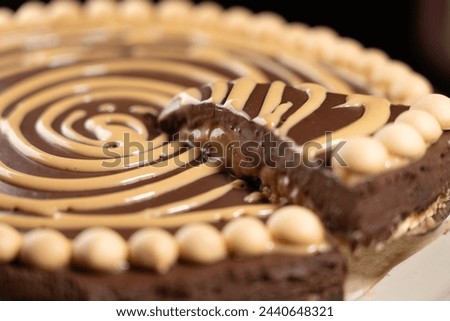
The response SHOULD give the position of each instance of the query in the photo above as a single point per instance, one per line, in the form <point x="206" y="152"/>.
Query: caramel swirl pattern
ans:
<point x="80" y="133"/>
<point x="73" y="97"/>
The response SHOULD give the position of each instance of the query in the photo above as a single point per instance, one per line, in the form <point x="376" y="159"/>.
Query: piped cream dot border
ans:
<point x="372" y="67"/>
<point x="290" y="230"/>
<point x="395" y="144"/>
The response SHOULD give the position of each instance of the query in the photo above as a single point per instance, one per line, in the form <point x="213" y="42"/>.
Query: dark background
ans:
<point x="412" y="31"/>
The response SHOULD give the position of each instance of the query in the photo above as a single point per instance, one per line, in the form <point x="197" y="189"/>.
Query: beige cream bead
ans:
<point x="31" y="13"/>
<point x="247" y="236"/>
<point x="10" y="243"/>
<point x="397" y="88"/>
<point x="296" y="225"/>
<point x="64" y="10"/>
<point x="295" y="33"/>
<point x="236" y="18"/>
<point x="101" y="9"/>
<point x="423" y="122"/>
<point x="406" y="91"/>
<point x="402" y="140"/>
<point x="153" y="248"/>
<point x="437" y="105"/>
<point x="201" y="243"/>
<point x="348" y="51"/>
<point x="321" y="39"/>
<point x="391" y="73"/>
<point x="100" y="249"/>
<point x="46" y="249"/>
<point x="267" y="23"/>
<point x="372" y="60"/>
<point x="207" y="13"/>
<point x="363" y="154"/>
<point x="136" y="10"/>
<point x="5" y="17"/>
<point x="174" y="9"/>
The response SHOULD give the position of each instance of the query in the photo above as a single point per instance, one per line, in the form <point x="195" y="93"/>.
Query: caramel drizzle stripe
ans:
<point x="99" y="125"/>
<point x="132" y="176"/>
<point x="34" y="83"/>
<point x="227" y="53"/>
<point x="376" y="114"/>
<point x="316" y="73"/>
<point x="218" y="92"/>
<point x="96" y="124"/>
<point x="84" y="165"/>
<point x="212" y="56"/>
<point x="109" y="200"/>
<point x="240" y="92"/>
<point x="316" y="96"/>
<point x="44" y="59"/>
<point x="73" y="221"/>
<point x="294" y="60"/>
<point x="273" y="98"/>
<point x="11" y="125"/>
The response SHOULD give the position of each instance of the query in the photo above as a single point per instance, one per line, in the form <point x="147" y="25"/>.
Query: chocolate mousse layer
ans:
<point x="274" y="277"/>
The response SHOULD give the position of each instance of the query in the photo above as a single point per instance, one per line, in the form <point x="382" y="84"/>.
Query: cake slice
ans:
<point x="365" y="165"/>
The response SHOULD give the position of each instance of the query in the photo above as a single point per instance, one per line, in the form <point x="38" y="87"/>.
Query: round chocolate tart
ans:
<point x="98" y="202"/>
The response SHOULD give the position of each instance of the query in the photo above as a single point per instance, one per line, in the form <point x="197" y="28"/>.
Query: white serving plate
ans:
<point x="414" y="268"/>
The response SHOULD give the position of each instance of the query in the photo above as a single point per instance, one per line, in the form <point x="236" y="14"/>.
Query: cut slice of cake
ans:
<point x="364" y="164"/>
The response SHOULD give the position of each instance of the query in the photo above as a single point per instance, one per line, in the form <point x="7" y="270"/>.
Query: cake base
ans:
<point x="271" y="277"/>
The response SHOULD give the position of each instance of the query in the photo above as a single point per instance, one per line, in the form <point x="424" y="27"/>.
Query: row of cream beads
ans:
<point x="394" y="78"/>
<point x="34" y="12"/>
<point x="103" y="249"/>
<point x="405" y="139"/>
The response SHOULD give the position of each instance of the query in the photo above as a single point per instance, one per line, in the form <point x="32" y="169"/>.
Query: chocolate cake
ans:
<point x="97" y="202"/>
